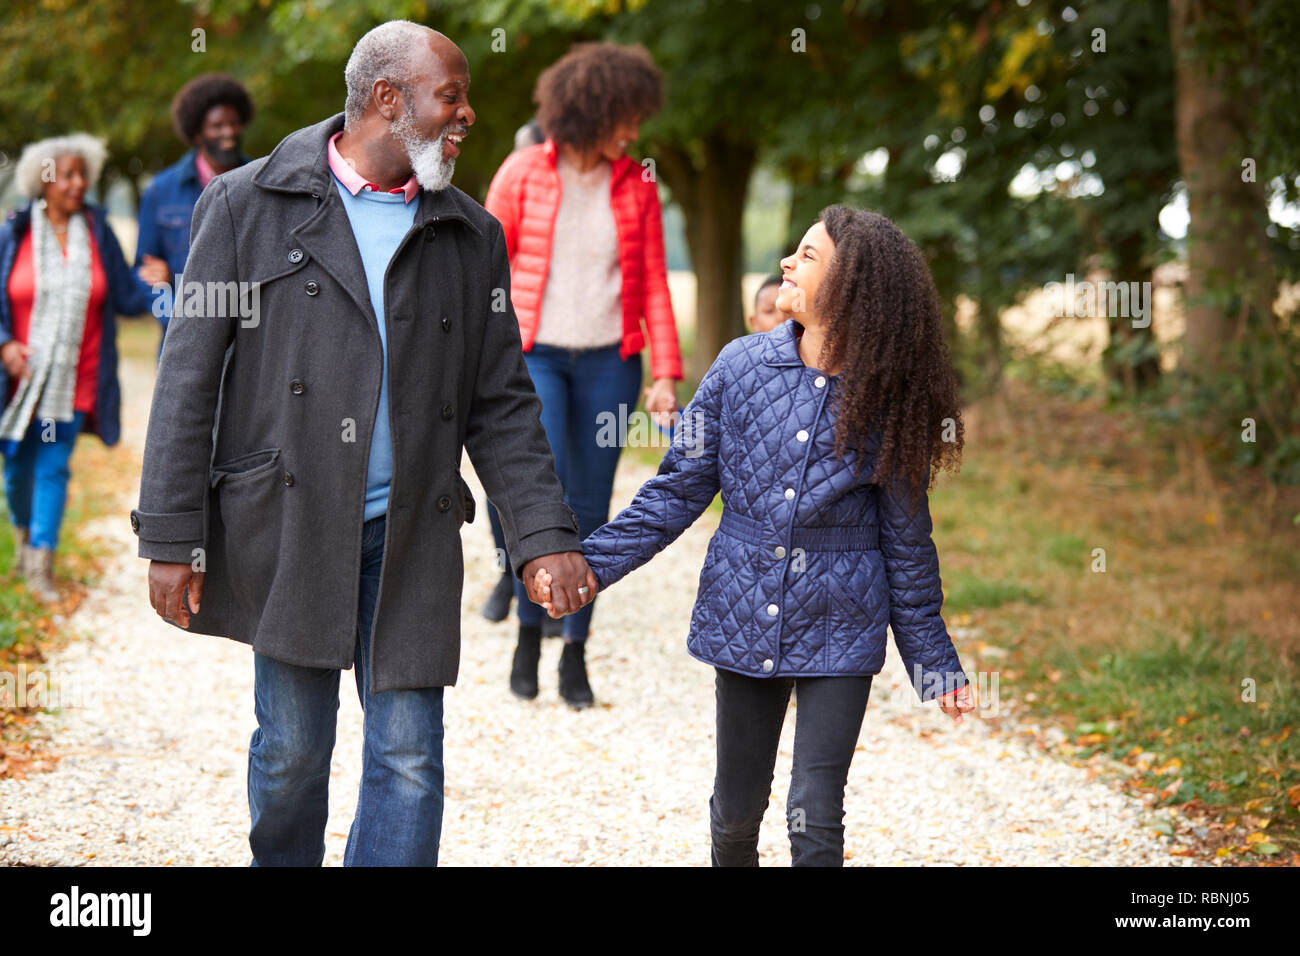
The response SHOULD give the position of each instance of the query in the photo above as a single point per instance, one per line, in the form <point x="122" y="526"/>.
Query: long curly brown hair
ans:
<point x="898" y="390"/>
<point x="594" y="87"/>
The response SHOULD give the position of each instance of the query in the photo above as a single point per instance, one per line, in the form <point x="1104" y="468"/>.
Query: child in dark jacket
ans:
<point x="823" y="436"/>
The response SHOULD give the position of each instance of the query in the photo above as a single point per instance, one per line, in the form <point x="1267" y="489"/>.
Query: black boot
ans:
<point x="573" y="675"/>
<point x="498" y="603"/>
<point x="523" y="673"/>
<point x="552" y="626"/>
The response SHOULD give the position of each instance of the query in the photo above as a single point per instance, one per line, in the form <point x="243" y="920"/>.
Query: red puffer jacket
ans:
<point x="525" y="197"/>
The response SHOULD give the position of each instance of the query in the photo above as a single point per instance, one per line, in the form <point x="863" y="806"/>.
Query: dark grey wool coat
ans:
<point x="250" y="455"/>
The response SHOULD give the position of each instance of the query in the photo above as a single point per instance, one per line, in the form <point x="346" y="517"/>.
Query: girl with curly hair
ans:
<point x="823" y="436"/>
<point x="589" y="286"/>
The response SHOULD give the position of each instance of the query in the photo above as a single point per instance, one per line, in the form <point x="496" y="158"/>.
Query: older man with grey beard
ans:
<point x="301" y="489"/>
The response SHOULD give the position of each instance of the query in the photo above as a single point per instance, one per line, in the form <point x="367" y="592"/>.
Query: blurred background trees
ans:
<point x="1018" y="142"/>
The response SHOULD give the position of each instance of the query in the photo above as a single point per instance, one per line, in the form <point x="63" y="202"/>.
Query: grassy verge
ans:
<point x="1143" y="608"/>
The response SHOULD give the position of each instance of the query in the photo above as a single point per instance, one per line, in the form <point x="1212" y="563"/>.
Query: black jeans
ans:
<point x="751" y="710"/>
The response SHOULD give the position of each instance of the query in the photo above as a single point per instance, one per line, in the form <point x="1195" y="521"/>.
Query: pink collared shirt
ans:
<point x="206" y="172"/>
<point x="354" y="182"/>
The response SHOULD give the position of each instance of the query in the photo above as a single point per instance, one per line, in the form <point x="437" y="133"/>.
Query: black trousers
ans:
<point x="751" y="710"/>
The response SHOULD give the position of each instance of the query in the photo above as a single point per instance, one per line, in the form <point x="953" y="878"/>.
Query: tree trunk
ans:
<point x="1132" y="269"/>
<point x="710" y="185"/>
<point x="1229" y="273"/>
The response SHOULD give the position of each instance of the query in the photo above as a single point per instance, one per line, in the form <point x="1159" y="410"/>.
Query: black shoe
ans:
<point x="573" y="675"/>
<point x="552" y="626"/>
<point x="523" y="673"/>
<point x="498" y="604"/>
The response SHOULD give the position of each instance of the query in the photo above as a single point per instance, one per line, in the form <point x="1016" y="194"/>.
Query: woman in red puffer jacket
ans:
<point x="584" y="236"/>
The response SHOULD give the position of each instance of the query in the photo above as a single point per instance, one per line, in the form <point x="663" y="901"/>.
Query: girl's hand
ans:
<point x="542" y="583"/>
<point x="958" y="702"/>
<point x="14" y="356"/>
<point x="661" y="400"/>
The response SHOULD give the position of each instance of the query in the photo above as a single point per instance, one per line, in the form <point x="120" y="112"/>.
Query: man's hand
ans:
<point x="167" y="583"/>
<point x="567" y="571"/>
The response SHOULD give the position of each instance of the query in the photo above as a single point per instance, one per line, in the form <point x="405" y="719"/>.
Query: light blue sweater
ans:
<point x="379" y="222"/>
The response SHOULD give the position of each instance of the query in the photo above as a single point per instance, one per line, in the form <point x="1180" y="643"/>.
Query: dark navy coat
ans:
<point x="128" y="295"/>
<point x="809" y="563"/>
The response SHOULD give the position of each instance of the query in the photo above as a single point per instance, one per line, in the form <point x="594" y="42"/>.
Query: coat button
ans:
<point x="295" y="256"/>
<point x="312" y="287"/>
<point x="446" y="324"/>
<point x="780" y="551"/>
<point x="297" y="387"/>
<point x="448" y="411"/>
<point x="428" y="233"/>
<point x="767" y="666"/>
<point x="772" y="610"/>
<point x="802" y="434"/>
<point x="444" y="503"/>
<point x="288" y="477"/>
<point x="821" y="381"/>
<point x="789" y="494"/>
<point x="135" y="522"/>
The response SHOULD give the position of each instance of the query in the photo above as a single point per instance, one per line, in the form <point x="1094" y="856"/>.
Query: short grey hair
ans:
<point x="385" y="53"/>
<point x="30" y="174"/>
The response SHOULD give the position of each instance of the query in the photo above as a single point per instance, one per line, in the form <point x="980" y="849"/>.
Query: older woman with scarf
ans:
<point x="63" y="279"/>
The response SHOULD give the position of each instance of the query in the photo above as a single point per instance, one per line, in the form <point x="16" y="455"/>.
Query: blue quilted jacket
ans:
<point x="809" y="563"/>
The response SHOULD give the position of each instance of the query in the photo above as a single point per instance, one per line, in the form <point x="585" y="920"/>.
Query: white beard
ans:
<point x="431" y="168"/>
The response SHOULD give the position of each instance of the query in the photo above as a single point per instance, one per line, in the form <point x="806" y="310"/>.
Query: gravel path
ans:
<point x="154" y="758"/>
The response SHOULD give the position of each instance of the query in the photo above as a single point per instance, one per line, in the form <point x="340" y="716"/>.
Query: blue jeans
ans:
<point x="576" y="386"/>
<point x="36" y="480"/>
<point x="750" y="712"/>
<point x="398" y="821"/>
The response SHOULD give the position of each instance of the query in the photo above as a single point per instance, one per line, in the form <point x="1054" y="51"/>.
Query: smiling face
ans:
<point x="219" y="136"/>
<point x="436" y="114"/>
<point x="803" y="273"/>
<point x="67" y="192"/>
<point x="615" y="144"/>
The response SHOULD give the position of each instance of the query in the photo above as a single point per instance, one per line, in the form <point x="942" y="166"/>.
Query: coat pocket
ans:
<point x="248" y="494"/>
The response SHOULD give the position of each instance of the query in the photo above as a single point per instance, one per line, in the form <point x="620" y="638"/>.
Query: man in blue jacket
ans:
<point x="209" y="114"/>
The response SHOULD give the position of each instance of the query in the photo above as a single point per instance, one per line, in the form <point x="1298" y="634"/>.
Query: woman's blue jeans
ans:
<point x="576" y="387"/>
<point x="36" y="480"/>
<point x="398" y="821"/>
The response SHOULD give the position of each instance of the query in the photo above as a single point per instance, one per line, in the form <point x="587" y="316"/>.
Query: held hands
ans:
<point x="548" y="585"/>
<point x="154" y="271"/>
<point x="167" y="583"/>
<point x="661" y="400"/>
<point x="957" y="702"/>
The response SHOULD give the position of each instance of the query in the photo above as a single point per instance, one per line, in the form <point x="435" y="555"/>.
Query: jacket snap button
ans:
<point x="448" y="411"/>
<point x="802" y="434"/>
<point x="446" y="324"/>
<point x="444" y="503"/>
<point x="780" y="551"/>
<point x="772" y="609"/>
<point x="295" y="256"/>
<point x="135" y="522"/>
<point x="288" y="477"/>
<point x="821" y="381"/>
<point x="428" y="233"/>
<point x="297" y="387"/>
<point x="312" y="287"/>
<point x="789" y="494"/>
<point x="767" y="666"/>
